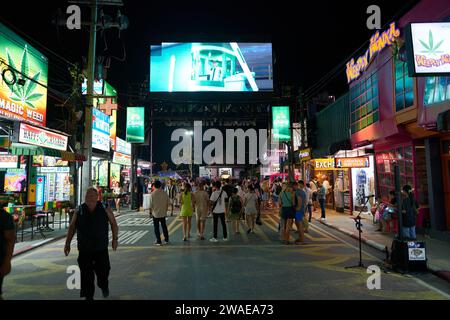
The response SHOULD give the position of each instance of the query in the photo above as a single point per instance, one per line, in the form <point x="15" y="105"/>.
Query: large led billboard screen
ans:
<point x="203" y="67"/>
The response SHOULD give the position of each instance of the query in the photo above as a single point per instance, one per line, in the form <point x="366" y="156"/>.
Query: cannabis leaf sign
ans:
<point x="431" y="46"/>
<point x="24" y="93"/>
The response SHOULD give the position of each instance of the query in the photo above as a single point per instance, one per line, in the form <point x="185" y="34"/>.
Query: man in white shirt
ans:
<point x="159" y="205"/>
<point x="218" y="204"/>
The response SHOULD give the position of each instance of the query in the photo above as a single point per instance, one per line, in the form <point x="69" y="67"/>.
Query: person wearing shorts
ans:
<point x="251" y="210"/>
<point x="300" y="202"/>
<point x="287" y="203"/>
<point x="201" y="204"/>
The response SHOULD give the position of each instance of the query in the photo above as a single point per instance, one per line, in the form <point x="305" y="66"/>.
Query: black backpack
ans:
<point x="236" y="205"/>
<point x="278" y="190"/>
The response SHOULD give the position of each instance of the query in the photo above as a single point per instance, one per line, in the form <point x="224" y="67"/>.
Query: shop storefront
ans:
<point x="324" y="171"/>
<point x="358" y="180"/>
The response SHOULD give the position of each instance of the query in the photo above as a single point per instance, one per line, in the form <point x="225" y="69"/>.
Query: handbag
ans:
<point x="215" y="203"/>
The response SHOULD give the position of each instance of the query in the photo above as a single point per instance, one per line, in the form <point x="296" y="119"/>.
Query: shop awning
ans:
<point x="23" y="150"/>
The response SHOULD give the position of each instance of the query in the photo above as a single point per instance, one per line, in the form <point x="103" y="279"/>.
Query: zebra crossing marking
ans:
<point x="133" y="222"/>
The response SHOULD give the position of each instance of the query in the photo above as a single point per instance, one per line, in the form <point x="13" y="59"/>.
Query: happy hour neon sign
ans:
<point x="377" y="43"/>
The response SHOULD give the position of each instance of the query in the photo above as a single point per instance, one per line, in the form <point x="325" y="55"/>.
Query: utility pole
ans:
<point x="87" y="167"/>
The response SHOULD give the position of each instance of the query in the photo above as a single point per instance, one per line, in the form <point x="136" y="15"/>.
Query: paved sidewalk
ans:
<point x="438" y="252"/>
<point x="57" y="234"/>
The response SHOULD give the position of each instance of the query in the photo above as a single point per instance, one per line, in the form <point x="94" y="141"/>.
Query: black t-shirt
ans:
<point x="228" y="188"/>
<point x="6" y="224"/>
<point x="92" y="228"/>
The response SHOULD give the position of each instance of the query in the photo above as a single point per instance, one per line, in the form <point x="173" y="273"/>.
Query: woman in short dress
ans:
<point x="201" y="204"/>
<point x="187" y="210"/>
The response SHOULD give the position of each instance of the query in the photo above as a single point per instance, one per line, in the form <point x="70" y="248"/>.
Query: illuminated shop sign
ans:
<point x="428" y="47"/>
<point x="324" y="164"/>
<point x="359" y="162"/>
<point x="123" y="159"/>
<point x="42" y="138"/>
<point x="377" y="43"/>
<point x="305" y="154"/>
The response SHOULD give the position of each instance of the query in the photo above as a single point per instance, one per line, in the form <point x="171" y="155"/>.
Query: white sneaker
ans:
<point x="322" y="219"/>
<point x="213" y="240"/>
<point x="225" y="239"/>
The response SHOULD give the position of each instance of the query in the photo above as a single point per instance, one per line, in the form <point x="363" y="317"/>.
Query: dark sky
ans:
<point x="309" y="38"/>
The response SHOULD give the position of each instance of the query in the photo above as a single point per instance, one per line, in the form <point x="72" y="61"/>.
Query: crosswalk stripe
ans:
<point x="178" y="226"/>
<point x="243" y="230"/>
<point x="262" y="234"/>
<point x="169" y="227"/>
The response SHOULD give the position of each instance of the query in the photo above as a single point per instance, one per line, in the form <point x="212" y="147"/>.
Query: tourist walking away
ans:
<point x="409" y="213"/>
<point x="201" y="204"/>
<point x="276" y="190"/>
<point x="287" y="206"/>
<point x="300" y="205"/>
<point x="187" y="210"/>
<point x="228" y="188"/>
<point x="314" y="185"/>
<point x="309" y="204"/>
<point x="321" y="196"/>
<point x="159" y="205"/>
<point x="90" y="221"/>
<point x="172" y="193"/>
<point x="218" y="209"/>
<point x="7" y="240"/>
<point x="235" y="209"/>
<point x="118" y="194"/>
<point x="251" y="210"/>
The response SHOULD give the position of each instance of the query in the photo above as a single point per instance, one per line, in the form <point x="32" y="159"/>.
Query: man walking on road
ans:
<point x="159" y="205"/>
<point x="90" y="221"/>
<point x="7" y="237"/>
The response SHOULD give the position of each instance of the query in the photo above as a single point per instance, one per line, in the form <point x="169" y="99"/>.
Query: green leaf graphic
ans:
<point x="424" y="44"/>
<point x="34" y="97"/>
<point x="32" y="84"/>
<point x="24" y="69"/>
<point x="30" y="105"/>
<point x="431" y="40"/>
<point x="438" y="45"/>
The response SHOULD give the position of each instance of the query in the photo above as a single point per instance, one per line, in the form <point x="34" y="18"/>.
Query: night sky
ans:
<point x="309" y="38"/>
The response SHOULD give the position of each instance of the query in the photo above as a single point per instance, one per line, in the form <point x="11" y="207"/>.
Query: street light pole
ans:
<point x="87" y="168"/>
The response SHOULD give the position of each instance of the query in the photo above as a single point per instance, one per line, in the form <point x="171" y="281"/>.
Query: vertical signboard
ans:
<point x="113" y="129"/>
<point x="136" y="124"/>
<point x="281" y="123"/>
<point x="40" y="187"/>
<point x="100" y="130"/>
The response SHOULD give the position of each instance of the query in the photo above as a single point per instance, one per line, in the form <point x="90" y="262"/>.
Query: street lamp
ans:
<point x="190" y="133"/>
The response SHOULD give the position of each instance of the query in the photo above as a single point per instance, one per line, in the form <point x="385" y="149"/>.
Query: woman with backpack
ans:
<point x="234" y="209"/>
<point x="187" y="210"/>
<point x="251" y="210"/>
<point x="287" y="207"/>
<point x="409" y="213"/>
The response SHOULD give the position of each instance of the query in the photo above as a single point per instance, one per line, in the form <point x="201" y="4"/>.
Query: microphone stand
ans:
<point x="359" y="227"/>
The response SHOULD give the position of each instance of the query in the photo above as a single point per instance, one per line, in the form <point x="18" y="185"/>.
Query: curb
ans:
<point x="44" y="242"/>
<point x="443" y="274"/>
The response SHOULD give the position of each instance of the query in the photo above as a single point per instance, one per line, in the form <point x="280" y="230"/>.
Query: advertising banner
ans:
<point x="42" y="138"/>
<point x="114" y="176"/>
<point x="136" y="124"/>
<point x="359" y="162"/>
<point x="8" y="162"/>
<point x="23" y="85"/>
<point x="100" y="130"/>
<point x="281" y="123"/>
<point x="122" y="146"/>
<point x="40" y="187"/>
<point x="123" y="159"/>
